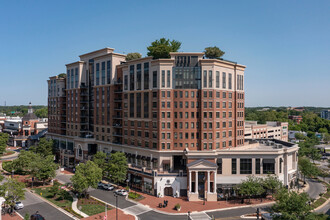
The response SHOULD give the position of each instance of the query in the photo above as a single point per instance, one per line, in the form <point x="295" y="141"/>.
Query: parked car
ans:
<point x="18" y="205"/>
<point x="108" y="187"/>
<point x="100" y="185"/>
<point x="121" y="192"/>
<point x="269" y="216"/>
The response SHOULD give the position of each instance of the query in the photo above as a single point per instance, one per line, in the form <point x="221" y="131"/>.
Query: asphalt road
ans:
<point x="32" y="203"/>
<point x="315" y="188"/>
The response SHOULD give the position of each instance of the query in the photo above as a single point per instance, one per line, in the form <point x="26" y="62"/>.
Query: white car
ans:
<point x="121" y="192"/>
<point x="108" y="187"/>
<point x="18" y="205"/>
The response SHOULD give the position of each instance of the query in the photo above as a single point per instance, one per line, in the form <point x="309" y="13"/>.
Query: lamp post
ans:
<point x="116" y="207"/>
<point x="258" y="213"/>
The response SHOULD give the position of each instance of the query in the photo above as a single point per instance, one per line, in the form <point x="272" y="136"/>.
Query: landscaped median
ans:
<point x="91" y="206"/>
<point x="323" y="197"/>
<point x="62" y="199"/>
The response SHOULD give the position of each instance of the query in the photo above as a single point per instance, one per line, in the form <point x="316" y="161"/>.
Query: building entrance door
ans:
<point x="201" y="184"/>
<point x="168" y="191"/>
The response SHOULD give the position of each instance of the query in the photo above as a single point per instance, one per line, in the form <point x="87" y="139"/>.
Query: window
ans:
<point x="108" y="72"/>
<point x="245" y="166"/>
<point x="268" y="166"/>
<point x="138" y="76"/>
<point x="131" y="105"/>
<point x="163" y="78"/>
<point x="103" y="73"/>
<point x="210" y="78"/>
<point x="219" y="163"/>
<point x="257" y="166"/>
<point x="146" y="104"/>
<point x="229" y="81"/>
<point x="233" y="166"/>
<point x="138" y="105"/>
<point x="217" y="79"/>
<point x="97" y="74"/>
<point x="154" y="79"/>
<point x="205" y="79"/>
<point x="223" y="80"/>
<point x="131" y="77"/>
<point x="168" y="78"/>
<point x="146" y="75"/>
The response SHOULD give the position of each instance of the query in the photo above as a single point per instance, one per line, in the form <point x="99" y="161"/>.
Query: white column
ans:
<point x="208" y="182"/>
<point x="215" y="182"/>
<point x="196" y="182"/>
<point x="189" y="181"/>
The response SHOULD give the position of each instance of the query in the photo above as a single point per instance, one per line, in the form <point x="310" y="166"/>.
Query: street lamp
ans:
<point x="188" y="215"/>
<point x="258" y="213"/>
<point x="116" y="206"/>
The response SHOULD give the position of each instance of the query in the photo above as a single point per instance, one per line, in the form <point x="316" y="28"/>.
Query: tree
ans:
<point x="326" y="137"/>
<point x="291" y="205"/>
<point x="117" y="168"/>
<point x="314" y="154"/>
<point x="161" y="48"/>
<point x="41" y="113"/>
<point x="252" y="186"/>
<point x="133" y="56"/>
<point x="213" y="52"/>
<point x="99" y="160"/>
<point x="272" y="183"/>
<point x="44" y="147"/>
<point x="299" y="136"/>
<point x="307" y="168"/>
<point x="62" y="75"/>
<point x="87" y="175"/>
<point x="44" y="168"/>
<point x="12" y="191"/>
<point x="55" y="188"/>
<point x="24" y="161"/>
<point x="3" y="142"/>
<point x="323" y="130"/>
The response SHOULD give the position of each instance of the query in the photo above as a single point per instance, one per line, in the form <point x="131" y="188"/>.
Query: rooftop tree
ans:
<point x="213" y="52"/>
<point x="133" y="56"/>
<point x="161" y="48"/>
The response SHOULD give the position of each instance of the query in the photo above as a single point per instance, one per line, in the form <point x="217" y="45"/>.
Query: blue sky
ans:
<point x="284" y="44"/>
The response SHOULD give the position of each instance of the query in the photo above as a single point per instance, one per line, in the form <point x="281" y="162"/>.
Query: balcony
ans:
<point x="117" y="134"/>
<point x="117" y="117"/>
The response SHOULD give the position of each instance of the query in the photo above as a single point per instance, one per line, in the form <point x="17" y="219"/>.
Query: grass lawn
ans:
<point x="91" y="206"/>
<point x="135" y="196"/>
<point x="63" y="203"/>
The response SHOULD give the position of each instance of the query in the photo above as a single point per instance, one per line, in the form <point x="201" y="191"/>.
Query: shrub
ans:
<point x="177" y="206"/>
<point x="7" y="166"/>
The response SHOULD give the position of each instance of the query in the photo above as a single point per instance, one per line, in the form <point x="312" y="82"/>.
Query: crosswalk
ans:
<point x="137" y="209"/>
<point x="199" y="216"/>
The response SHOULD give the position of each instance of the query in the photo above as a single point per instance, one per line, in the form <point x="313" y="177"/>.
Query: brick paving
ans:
<point x="153" y="202"/>
<point x="111" y="216"/>
<point x="8" y="217"/>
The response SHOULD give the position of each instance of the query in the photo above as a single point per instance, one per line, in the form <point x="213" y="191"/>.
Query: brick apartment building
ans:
<point x="179" y="121"/>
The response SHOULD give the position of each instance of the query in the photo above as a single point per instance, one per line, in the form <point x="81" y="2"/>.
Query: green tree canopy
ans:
<point x="251" y="186"/>
<point x="133" y="56"/>
<point x="62" y="75"/>
<point x="3" y="142"/>
<point x="272" y="183"/>
<point x="87" y="175"/>
<point x="161" y="48"/>
<point x="100" y="160"/>
<point x="213" y="52"/>
<point x="12" y="190"/>
<point x="44" y="168"/>
<point x="307" y="168"/>
<point x="291" y="205"/>
<point x="41" y="113"/>
<point x="44" y="147"/>
<point x="117" y="167"/>
<point x="299" y="136"/>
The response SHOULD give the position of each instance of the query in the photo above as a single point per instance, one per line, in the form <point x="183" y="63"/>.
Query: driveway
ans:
<point x="315" y="188"/>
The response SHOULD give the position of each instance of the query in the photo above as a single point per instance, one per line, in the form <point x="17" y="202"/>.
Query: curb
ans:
<point x="9" y="156"/>
<point x="74" y="206"/>
<point x="136" y="218"/>
<point x="65" y="212"/>
<point x="19" y="215"/>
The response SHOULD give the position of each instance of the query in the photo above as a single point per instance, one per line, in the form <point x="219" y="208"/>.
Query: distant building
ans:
<point x="13" y="125"/>
<point x="325" y="114"/>
<point x="296" y="118"/>
<point x="292" y="134"/>
<point x="272" y="129"/>
<point x="298" y="109"/>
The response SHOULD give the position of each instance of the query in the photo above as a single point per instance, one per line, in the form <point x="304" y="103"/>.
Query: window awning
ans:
<point x="268" y="160"/>
<point x="166" y="161"/>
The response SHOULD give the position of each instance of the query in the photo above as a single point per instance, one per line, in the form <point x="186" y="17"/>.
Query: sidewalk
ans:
<point x="111" y="216"/>
<point x="196" y="206"/>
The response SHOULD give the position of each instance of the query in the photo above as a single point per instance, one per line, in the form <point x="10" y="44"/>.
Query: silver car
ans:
<point x="18" y="205"/>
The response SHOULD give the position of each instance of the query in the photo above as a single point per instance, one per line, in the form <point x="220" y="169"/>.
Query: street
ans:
<point x="32" y="203"/>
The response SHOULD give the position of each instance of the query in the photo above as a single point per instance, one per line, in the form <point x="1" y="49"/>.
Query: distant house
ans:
<point x="325" y="114"/>
<point x="296" y="118"/>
